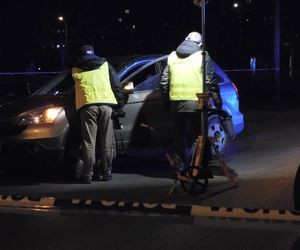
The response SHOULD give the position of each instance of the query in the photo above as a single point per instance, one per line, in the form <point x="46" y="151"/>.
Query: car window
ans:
<point x="130" y="71"/>
<point x="146" y="79"/>
<point x="219" y="78"/>
<point x="164" y="63"/>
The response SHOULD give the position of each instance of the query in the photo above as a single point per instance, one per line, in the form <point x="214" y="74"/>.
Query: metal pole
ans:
<point x="64" y="42"/>
<point x="277" y="35"/>
<point x="277" y="50"/>
<point x="204" y="121"/>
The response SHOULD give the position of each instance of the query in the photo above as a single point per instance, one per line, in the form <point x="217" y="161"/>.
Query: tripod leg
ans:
<point x="197" y="156"/>
<point x="223" y="164"/>
<point x="196" y="180"/>
<point x="173" y="188"/>
<point x="227" y="172"/>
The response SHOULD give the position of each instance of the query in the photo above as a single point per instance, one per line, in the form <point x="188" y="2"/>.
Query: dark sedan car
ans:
<point x="42" y="127"/>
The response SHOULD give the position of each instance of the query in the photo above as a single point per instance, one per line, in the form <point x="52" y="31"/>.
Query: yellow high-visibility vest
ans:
<point x="185" y="76"/>
<point x="93" y="86"/>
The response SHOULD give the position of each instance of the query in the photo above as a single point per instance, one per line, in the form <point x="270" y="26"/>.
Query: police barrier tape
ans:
<point x="160" y="208"/>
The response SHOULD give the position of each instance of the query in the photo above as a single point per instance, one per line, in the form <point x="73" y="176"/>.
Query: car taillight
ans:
<point x="235" y="88"/>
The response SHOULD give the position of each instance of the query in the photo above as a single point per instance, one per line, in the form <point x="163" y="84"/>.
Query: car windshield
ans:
<point x="14" y="86"/>
<point x="63" y="84"/>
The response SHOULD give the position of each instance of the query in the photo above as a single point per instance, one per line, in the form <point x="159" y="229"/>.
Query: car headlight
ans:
<point x="40" y="116"/>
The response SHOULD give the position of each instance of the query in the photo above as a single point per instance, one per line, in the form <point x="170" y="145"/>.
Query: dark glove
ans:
<point x="118" y="113"/>
<point x="217" y="100"/>
<point x="218" y="103"/>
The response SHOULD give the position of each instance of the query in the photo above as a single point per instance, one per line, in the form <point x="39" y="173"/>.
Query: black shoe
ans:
<point x="97" y="178"/>
<point x="106" y="178"/>
<point x="85" y="180"/>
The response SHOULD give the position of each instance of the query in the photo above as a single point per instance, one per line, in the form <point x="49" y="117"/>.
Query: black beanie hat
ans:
<point x="87" y="50"/>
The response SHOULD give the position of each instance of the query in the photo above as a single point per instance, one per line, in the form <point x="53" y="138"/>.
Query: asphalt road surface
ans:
<point x="91" y="230"/>
<point x="265" y="157"/>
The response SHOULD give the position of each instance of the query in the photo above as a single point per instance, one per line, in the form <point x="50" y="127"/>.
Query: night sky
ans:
<point x="29" y="29"/>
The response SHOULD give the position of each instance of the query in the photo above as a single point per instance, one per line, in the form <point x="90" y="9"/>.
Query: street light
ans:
<point x="64" y="46"/>
<point x="62" y="19"/>
<point x="235" y="5"/>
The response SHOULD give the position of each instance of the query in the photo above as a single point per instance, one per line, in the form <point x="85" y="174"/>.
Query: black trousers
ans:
<point x="186" y="128"/>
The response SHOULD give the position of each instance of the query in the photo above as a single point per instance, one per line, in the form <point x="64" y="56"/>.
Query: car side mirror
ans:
<point x="128" y="88"/>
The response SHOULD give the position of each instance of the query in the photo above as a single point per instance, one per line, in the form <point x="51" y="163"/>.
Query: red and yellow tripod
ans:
<point x="195" y="180"/>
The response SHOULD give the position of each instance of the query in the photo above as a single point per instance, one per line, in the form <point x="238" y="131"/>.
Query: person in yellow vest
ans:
<point x="180" y="81"/>
<point x="98" y="93"/>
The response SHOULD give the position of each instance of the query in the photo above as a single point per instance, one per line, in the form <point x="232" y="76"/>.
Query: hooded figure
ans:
<point x="188" y="53"/>
<point x="180" y="81"/>
<point x="97" y="92"/>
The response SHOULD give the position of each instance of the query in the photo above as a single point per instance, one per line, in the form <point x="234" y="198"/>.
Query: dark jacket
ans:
<point x="185" y="49"/>
<point x="92" y="62"/>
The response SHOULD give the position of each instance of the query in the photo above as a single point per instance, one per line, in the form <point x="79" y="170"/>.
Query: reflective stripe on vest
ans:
<point x="93" y="86"/>
<point x="185" y="76"/>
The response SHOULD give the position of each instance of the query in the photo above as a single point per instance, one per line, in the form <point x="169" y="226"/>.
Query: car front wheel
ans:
<point x="217" y="132"/>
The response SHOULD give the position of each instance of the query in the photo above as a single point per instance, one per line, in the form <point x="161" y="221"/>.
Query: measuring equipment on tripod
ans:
<point x="194" y="179"/>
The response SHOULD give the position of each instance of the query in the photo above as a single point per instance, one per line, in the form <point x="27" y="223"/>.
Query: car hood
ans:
<point x="34" y="102"/>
